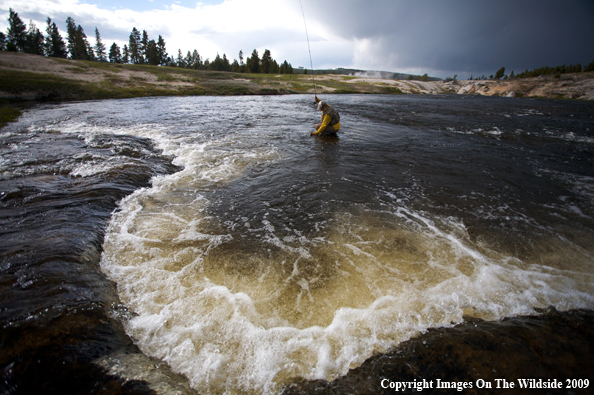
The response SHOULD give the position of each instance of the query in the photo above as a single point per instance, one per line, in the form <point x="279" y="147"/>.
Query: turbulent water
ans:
<point x="264" y="255"/>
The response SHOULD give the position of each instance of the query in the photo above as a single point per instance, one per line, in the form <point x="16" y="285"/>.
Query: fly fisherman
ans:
<point x="330" y="120"/>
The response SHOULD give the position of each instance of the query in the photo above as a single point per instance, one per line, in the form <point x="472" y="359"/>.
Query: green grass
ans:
<point x="391" y="90"/>
<point x="8" y="114"/>
<point x="172" y="81"/>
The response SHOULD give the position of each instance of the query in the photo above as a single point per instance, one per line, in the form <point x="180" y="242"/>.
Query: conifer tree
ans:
<point x="99" y="47"/>
<point x="241" y="64"/>
<point x="17" y="32"/>
<point x="143" y="47"/>
<point x="78" y="46"/>
<point x="284" y="68"/>
<point x="55" y="46"/>
<point x="134" y="46"/>
<point x="35" y="43"/>
<point x="71" y="36"/>
<point x="2" y="42"/>
<point x="275" y="67"/>
<point x="266" y="62"/>
<point x="197" y="60"/>
<point x="500" y="73"/>
<point x="83" y="43"/>
<point x="161" y="51"/>
<point x="188" y="62"/>
<point x="125" y="55"/>
<point x="152" y="55"/>
<point x="226" y="64"/>
<point x="253" y="62"/>
<point x="115" y="56"/>
<point x="217" y="63"/>
<point x="180" y="59"/>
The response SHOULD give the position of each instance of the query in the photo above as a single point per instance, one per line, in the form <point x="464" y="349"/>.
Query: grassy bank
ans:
<point x="8" y="114"/>
<point x="28" y="77"/>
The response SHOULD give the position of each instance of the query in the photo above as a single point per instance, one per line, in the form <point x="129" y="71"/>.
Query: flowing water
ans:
<point x="258" y="255"/>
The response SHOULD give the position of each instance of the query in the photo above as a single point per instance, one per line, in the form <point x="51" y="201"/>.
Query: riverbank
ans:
<point x="28" y="78"/>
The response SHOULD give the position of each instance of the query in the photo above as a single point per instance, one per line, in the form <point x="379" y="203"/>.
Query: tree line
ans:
<point x="138" y="50"/>
<point x="556" y="71"/>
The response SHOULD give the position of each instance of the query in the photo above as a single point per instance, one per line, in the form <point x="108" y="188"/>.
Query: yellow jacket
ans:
<point x="326" y="119"/>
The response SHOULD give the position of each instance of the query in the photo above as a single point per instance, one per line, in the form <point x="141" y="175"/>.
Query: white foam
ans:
<point x="295" y="305"/>
<point x="227" y="341"/>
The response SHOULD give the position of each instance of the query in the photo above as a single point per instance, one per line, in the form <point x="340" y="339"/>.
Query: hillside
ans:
<point x="27" y="77"/>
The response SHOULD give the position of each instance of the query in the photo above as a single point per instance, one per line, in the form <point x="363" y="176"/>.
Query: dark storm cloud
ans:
<point x="464" y="37"/>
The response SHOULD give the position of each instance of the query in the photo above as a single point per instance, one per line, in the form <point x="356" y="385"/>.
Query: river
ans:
<point x="211" y="244"/>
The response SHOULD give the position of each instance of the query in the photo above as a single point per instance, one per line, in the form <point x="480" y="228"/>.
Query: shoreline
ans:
<point x="32" y="78"/>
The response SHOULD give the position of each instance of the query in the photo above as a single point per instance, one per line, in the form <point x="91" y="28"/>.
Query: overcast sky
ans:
<point x="438" y="37"/>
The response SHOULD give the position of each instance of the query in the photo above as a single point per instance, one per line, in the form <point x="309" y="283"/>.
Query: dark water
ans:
<point x="248" y="256"/>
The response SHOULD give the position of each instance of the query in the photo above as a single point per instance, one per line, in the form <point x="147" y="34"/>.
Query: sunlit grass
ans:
<point x="129" y="81"/>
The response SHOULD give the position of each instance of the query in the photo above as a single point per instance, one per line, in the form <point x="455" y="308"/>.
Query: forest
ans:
<point x="139" y="50"/>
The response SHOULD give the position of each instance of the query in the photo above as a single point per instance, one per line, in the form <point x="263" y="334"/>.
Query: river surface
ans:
<point x="215" y="235"/>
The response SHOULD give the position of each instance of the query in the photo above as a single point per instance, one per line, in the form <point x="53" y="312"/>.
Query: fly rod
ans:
<point x="309" y="49"/>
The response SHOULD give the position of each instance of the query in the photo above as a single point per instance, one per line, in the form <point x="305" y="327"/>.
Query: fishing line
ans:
<point x="309" y="49"/>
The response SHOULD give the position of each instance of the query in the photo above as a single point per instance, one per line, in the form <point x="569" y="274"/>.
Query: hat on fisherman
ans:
<point x="321" y="105"/>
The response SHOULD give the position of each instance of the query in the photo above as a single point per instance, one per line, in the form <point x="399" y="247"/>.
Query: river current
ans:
<point x="244" y="254"/>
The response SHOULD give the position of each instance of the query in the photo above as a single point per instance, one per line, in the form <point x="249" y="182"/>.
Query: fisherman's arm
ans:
<point x="325" y="123"/>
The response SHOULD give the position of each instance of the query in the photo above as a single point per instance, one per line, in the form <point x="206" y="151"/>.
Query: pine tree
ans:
<point x="78" y="45"/>
<point x="197" y="60"/>
<point x="188" y="63"/>
<point x="35" y="43"/>
<point x="71" y="36"/>
<point x="17" y="32"/>
<point x="226" y="64"/>
<point x="115" y="56"/>
<point x="286" y="68"/>
<point x="500" y="73"/>
<point x="134" y="46"/>
<point x="2" y="42"/>
<point x="253" y="62"/>
<point x="235" y="66"/>
<point x="143" y="47"/>
<point x="55" y="46"/>
<point x="266" y="62"/>
<point x="152" y="55"/>
<point x="217" y="63"/>
<point x="125" y="55"/>
<point x="99" y="47"/>
<point x="162" y="51"/>
<point x="241" y="64"/>
<point x="180" y="59"/>
<point x="82" y="44"/>
<point x="275" y="68"/>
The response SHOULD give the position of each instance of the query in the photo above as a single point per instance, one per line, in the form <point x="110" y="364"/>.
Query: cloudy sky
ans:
<point x="438" y="37"/>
